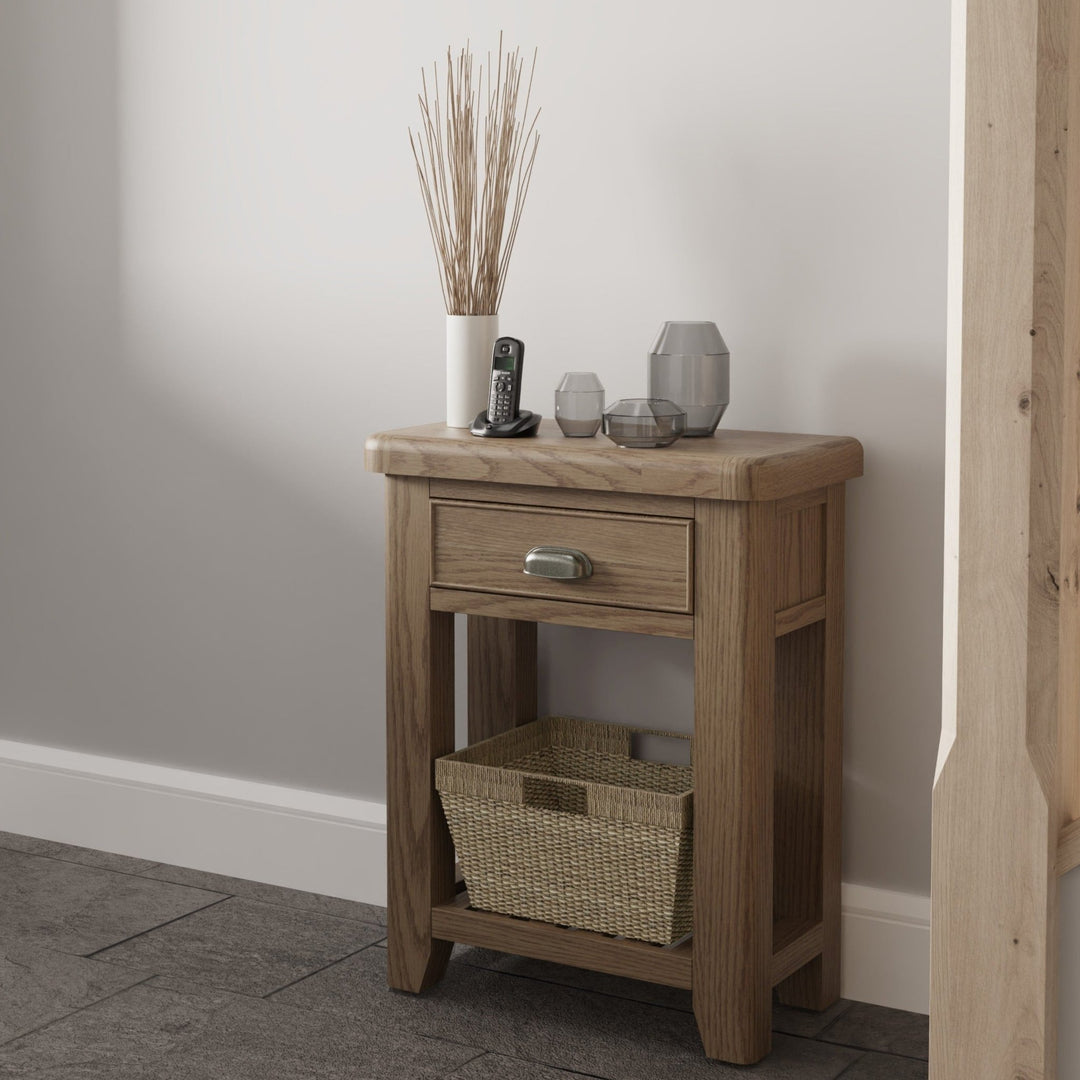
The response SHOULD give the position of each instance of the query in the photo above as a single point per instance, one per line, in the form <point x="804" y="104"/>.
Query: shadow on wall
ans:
<point x="164" y="597"/>
<point x="894" y="602"/>
<point x="893" y="658"/>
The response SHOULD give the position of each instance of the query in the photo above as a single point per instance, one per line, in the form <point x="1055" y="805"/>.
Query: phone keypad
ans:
<point x="501" y="398"/>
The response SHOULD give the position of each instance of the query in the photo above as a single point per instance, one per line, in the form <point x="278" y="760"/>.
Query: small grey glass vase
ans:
<point x="579" y="404"/>
<point x="690" y="364"/>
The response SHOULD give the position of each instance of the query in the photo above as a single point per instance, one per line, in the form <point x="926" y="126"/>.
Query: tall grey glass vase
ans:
<point x="690" y="364"/>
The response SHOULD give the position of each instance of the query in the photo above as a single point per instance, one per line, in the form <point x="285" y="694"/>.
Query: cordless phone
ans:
<point x="504" y="417"/>
<point x="504" y="397"/>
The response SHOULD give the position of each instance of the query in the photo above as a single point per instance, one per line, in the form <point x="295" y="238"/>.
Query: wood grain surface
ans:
<point x="1068" y="850"/>
<point x="502" y="675"/>
<point x="799" y="785"/>
<point x="639" y="562"/>
<point x="419" y="728"/>
<point x="563" y="613"/>
<point x="824" y="984"/>
<point x="731" y="465"/>
<point x="800" y="553"/>
<point x="809" y="776"/>
<point x="790" y="619"/>
<point x="996" y="810"/>
<point x="793" y="503"/>
<point x="760" y="592"/>
<point x="734" y="663"/>
<point x="566" y="498"/>
<point x="1069" y="578"/>
<point x="577" y="948"/>
<point x="794" y="943"/>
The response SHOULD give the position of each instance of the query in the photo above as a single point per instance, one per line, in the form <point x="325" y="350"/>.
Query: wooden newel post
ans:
<point x="1007" y="769"/>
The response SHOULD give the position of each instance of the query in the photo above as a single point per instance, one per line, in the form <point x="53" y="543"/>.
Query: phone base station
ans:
<point x="525" y="423"/>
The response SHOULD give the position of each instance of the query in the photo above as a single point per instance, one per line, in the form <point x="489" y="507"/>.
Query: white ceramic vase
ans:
<point x="469" y="343"/>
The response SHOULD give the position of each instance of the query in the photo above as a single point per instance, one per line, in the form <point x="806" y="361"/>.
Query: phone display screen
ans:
<point x="503" y="363"/>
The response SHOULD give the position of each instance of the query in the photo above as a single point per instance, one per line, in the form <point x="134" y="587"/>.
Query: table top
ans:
<point x="739" y="465"/>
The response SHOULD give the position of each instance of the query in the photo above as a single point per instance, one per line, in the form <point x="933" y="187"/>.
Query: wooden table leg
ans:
<point x="502" y="675"/>
<point x="419" y="728"/>
<point x="809" y="739"/>
<point x="734" y="659"/>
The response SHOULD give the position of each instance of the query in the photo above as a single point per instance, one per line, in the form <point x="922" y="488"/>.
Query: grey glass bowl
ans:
<point x="644" y="423"/>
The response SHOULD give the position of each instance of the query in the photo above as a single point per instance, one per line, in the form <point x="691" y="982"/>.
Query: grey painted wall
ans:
<point x="216" y="279"/>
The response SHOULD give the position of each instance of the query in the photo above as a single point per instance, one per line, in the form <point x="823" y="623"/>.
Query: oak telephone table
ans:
<point x="735" y="541"/>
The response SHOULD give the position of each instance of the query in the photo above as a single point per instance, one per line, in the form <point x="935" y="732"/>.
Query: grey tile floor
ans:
<point x="127" y="969"/>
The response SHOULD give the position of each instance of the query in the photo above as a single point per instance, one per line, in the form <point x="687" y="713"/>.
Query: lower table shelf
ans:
<point x="795" y="943"/>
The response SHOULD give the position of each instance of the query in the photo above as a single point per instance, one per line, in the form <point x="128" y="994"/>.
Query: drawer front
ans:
<point x="640" y="562"/>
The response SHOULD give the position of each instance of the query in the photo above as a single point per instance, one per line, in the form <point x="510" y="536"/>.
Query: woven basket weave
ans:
<point x="556" y="821"/>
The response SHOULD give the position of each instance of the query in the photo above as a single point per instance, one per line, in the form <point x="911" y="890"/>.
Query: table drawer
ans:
<point x="637" y="561"/>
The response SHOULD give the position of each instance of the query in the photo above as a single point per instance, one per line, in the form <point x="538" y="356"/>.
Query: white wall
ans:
<point x="216" y="280"/>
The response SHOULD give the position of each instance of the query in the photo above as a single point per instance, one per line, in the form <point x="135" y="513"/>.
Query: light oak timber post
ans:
<point x="1001" y="792"/>
<point x="734" y="661"/>
<point x="1069" y="626"/>
<point x="502" y="675"/>
<point x="419" y="728"/>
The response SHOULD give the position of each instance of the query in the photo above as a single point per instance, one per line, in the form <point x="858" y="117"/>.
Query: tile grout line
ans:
<point x="579" y="989"/>
<point x="542" y="1064"/>
<point x="515" y="1057"/>
<point x="673" y="1008"/>
<point x="86" y="865"/>
<point x="81" y="1008"/>
<point x="817" y="1038"/>
<point x="847" y="1068"/>
<point x="270" y="903"/>
<point x="151" y="929"/>
<point x="307" y="975"/>
<point x="145" y="872"/>
<point x="835" y="1020"/>
<point x="862" y="1050"/>
<point x="498" y="1053"/>
<point x="278" y="904"/>
<point x="868" y="1050"/>
<point x="482" y="1053"/>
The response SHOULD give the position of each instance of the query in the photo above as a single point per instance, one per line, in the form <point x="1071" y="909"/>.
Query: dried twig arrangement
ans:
<point x="468" y="198"/>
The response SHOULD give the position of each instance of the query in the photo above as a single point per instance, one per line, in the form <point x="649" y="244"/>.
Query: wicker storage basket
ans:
<point x="556" y="821"/>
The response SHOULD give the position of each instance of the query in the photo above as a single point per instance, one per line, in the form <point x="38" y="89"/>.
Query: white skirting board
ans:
<point x="285" y="836"/>
<point x="335" y="845"/>
<point x="886" y="947"/>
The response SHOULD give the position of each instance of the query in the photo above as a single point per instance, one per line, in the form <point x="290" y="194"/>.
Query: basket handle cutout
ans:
<point x="551" y="793"/>
<point x="657" y="746"/>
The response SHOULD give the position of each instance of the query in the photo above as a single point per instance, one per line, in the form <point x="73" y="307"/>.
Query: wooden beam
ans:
<point x="793" y="618"/>
<point x="502" y="675"/>
<point x="734" y="664"/>
<point x="793" y="503"/>
<point x="996" y="795"/>
<point x="419" y="728"/>
<point x="1068" y="850"/>
<point x="456" y="921"/>
<point x="1069" y="574"/>
<point x="795" y="943"/>
<point x="563" y="612"/>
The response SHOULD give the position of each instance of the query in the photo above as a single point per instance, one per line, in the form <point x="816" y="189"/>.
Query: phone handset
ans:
<point x="504" y="396"/>
<point x="504" y="417"/>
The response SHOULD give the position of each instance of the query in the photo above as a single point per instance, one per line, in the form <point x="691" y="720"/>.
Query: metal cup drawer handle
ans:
<point x="561" y="564"/>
